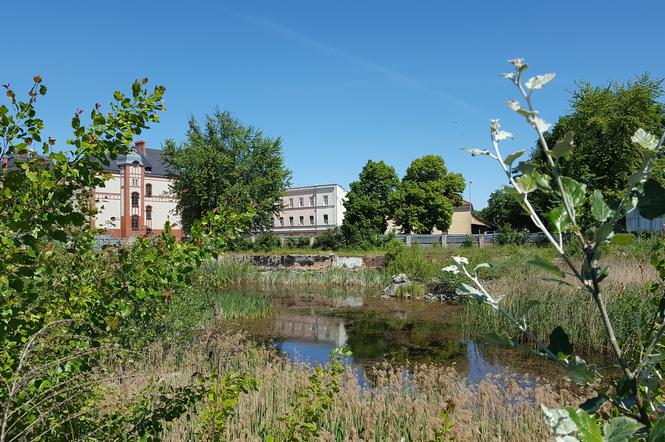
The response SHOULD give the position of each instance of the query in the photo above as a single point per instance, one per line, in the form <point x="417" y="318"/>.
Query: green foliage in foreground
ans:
<point x="69" y="313"/>
<point x="633" y="390"/>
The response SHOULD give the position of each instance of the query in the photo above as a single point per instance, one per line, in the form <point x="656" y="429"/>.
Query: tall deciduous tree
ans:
<point x="366" y="203"/>
<point x="603" y="119"/>
<point x="503" y="210"/>
<point x="427" y="195"/>
<point x="227" y="164"/>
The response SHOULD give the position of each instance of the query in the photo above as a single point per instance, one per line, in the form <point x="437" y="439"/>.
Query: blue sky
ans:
<point x="340" y="81"/>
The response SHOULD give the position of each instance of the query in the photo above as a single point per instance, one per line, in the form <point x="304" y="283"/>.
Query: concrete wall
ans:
<point x="314" y="262"/>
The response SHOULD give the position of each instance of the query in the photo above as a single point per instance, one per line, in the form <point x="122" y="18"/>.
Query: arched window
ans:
<point x="148" y="212"/>
<point x="135" y="222"/>
<point x="148" y="190"/>
<point x="135" y="199"/>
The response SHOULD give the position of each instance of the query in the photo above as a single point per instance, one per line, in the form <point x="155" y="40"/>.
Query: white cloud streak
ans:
<point x="389" y="73"/>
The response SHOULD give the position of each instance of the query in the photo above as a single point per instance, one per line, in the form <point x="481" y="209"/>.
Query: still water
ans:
<point x="307" y="324"/>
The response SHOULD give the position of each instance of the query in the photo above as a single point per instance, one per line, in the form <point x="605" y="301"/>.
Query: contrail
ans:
<point x="390" y="73"/>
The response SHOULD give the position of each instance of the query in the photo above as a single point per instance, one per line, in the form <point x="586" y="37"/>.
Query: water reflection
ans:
<point x="307" y="326"/>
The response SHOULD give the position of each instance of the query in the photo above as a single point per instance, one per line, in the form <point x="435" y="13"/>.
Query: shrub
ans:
<point x="331" y="239"/>
<point x="469" y="241"/>
<point x="509" y="235"/>
<point x="297" y="242"/>
<point x="266" y="241"/>
<point x="409" y="260"/>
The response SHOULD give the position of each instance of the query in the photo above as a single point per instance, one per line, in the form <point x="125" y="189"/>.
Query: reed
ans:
<point x="236" y="271"/>
<point x="394" y="408"/>
<point x="545" y="305"/>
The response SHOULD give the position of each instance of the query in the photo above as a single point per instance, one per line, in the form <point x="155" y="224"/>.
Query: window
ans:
<point x="290" y="202"/>
<point x="148" y="190"/>
<point x="325" y="219"/>
<point x="148" y="212"/>
<point x="325" y="200"/>
<point x="302" y="220"/>
<point x="302" y="202"/>
<point x="135" y="199"/>
<point x="135" y="222"/>
<point x="311" y="201"/>
<point x="135" y="182"/>
<point x="290" y="220"/>
<point x="311" y="219"/>
<point x="281" y="220"/>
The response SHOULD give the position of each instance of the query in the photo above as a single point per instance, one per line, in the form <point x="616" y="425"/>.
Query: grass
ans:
<point x="234" y="271"/>
<point x="545" y="305"/>
<point x="495" y="409"/>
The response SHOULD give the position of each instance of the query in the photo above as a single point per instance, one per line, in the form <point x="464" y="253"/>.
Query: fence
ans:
<point x="445" y="240"/>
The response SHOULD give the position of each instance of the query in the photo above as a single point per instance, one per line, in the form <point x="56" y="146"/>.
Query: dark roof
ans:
<point x="152" y="160"/>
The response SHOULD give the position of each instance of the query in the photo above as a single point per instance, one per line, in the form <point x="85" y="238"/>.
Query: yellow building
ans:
<point x="464" y="222"/>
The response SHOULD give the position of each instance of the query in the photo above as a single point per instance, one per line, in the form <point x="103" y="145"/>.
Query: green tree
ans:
<point x="227" y="164"/>
<point x="603" y="119"/>
<point x="503" y="210"/>
<point x="366" y="208"/>
<point x="427" y="195"/>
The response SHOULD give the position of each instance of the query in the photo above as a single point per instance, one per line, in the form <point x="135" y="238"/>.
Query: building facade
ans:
<point x="310" y="210"/>
<point x="464" y="222"/>
<point x="136" y="200"/>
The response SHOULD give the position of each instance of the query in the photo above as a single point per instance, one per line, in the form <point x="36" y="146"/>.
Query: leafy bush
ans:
<point x="409" y="260"/>
<point x="469" y="241"/>
<point x="331" y="239"/>
<point x="509" y="235"/>
<point x="265" y="242"/>
<point x="297" y="242"/>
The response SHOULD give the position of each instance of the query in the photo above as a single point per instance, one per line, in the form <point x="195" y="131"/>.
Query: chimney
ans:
<point x="140" y="147"/>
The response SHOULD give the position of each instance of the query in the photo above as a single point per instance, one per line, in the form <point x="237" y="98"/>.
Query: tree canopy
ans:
<point x="503" y="210"/>
<point x="603" y="119"/>
<point x="427" y="195"/>
<point x="366" y="203"/>
<point x="227" y="164"/>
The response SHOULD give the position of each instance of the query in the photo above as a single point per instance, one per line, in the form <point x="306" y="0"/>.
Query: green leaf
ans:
<point x="574" y="192"/>
<point x="652" y="202"/>
<point x="513" y="156"/>
<point x="527" y="183"/>
<point x="525" y="167"/>
<point x="592" y="405"/>
<point x="477" y="152"/>
<point x="563" y="146"/>
<point x="559" y="219"/>
<point x="599" y="208"/>
<point x="620" y="429"/>
<point x="623" y="239"/>
<point x="603" y="232"/>
<point x="547" y="266"/>
<point x="657" y="433"/>
<point x="467" y="290"/>
<point x="588" y="429"/>
<point x="502" y="340"/>
<point x="559" y="343"/>
<point x="558" y="420"/>
<point x="579" y="372"/>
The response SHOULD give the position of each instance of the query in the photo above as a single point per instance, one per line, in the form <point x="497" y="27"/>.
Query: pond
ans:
<point x="307" y="324"/>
